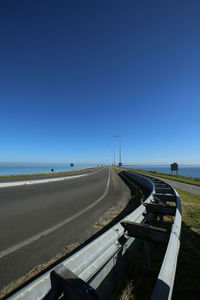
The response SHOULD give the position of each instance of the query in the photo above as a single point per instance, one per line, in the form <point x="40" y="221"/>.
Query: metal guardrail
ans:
<point x="165" y="282"/>
<point x="101" y="262"/>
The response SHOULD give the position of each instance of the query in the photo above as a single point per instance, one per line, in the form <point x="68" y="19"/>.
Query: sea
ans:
<point x="34" y="168"/>
<point x="183" y="170"/>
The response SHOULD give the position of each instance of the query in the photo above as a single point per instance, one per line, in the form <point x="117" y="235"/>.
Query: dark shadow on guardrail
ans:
<point x="73" y="289"/>
<point x="121" y="266"/>
<point x="161" y="290"/>
<point x="138" y="282"/>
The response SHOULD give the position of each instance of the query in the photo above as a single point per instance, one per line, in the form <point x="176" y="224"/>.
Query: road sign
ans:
<point x="174" y="167"/>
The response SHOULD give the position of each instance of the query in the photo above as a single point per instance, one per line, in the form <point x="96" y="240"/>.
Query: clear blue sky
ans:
<point x="75" y="73"/>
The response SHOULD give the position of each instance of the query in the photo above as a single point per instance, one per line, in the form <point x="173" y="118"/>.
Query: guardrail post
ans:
<point x="146" y="232"/>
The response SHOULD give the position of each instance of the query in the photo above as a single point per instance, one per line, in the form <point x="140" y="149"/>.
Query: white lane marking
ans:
<point x="37" y="181"/>
<point x="57" y="226"/>
<point x="18" y="183"/>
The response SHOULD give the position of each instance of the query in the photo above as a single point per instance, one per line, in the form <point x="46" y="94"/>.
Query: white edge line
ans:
<point x="29" y="182"/>
<point x="38" y="181"/>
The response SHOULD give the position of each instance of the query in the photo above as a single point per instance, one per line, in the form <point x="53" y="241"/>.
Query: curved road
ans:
<point x="41" y="216"/>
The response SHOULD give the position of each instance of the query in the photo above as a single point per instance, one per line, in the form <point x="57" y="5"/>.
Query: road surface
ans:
<point x="41" y="216"/>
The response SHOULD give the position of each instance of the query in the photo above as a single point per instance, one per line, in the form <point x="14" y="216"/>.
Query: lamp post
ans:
<point x="119" y="139"/>
<point x="113" y="158"/>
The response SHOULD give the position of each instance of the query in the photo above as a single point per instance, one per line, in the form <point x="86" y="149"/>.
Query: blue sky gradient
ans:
<point x="75" y="73"/>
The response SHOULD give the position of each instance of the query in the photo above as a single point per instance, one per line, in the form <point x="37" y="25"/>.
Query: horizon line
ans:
<point x="102" y="162"/>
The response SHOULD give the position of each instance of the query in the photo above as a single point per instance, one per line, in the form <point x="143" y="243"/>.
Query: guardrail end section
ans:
<point x="71" y="287"/>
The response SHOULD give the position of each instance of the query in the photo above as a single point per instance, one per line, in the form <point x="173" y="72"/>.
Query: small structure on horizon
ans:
<point x="52" y="170"/>
<point x="71" y="165"/>
<point x="174" y="167"/>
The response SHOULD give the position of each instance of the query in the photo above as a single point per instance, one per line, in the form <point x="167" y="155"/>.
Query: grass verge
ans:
<point x="189" y="180"/>
<point x="46" y="174"/>
<point x="188" y="269"/>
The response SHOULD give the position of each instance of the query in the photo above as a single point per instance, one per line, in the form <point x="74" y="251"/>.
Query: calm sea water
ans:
<point x="16" y="169"/>
<point x="188" y="171"/>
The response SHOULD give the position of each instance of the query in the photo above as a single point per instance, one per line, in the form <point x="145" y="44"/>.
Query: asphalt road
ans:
<point x="39" y="219"/>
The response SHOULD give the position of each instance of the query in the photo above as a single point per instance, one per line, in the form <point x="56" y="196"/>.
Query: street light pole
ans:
<point x="120" y="150"/>
<point x="113" y="157"/>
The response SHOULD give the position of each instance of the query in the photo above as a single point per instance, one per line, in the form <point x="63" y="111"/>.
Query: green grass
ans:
<point x="190" y="180"/>
<point x="188" y="269"/>
<point x="43" y="174"/>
